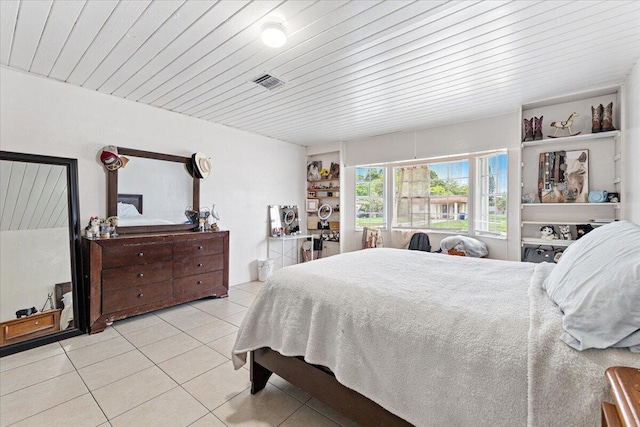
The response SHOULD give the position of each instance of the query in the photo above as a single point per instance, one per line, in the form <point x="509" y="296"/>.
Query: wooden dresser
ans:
<point x="139" y="273"/>
<point x="624" y="383"/>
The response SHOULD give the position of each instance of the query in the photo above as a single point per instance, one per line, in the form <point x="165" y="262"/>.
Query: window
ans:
<point x="370" y="188"/>
<point x="432" y="195"/>
<point x="491" y="203"/>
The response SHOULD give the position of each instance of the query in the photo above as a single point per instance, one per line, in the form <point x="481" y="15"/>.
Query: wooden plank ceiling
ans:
<point x="352" y="68"/>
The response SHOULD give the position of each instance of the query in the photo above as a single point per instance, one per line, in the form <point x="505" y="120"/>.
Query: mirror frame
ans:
<point x="75" y="252"/>
<point x="112" y="193"/>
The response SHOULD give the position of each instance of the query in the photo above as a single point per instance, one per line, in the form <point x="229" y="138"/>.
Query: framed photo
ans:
<point x="312" y="205"/>
<point x="313" y="170"/>
<point x="564" y="176"/>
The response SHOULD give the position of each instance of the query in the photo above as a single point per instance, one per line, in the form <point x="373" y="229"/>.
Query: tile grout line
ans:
<point x="136" y="348"/>
<point x="51" y="407"/>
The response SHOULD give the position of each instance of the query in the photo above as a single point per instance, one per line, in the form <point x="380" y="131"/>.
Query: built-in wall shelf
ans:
<point x="323" y="180"/>
<point x="554" y="242"/>
<point x="594" y="223"/>
<point x="321" y="192"/>
<point x="613" y="205"/>
<point x="577" y="138"/>
<point x="601" y="155"/>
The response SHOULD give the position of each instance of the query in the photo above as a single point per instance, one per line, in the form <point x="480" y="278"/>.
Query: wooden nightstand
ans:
<point x="28" y="327"/>
<point x="624" y="384"/>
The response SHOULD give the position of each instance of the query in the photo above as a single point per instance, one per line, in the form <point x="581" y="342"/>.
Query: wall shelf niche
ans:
<point x="604" y="165"/>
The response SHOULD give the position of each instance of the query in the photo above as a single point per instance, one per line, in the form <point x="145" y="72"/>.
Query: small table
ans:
<point x="624" y="383"/>
<point x="287" y="254"/>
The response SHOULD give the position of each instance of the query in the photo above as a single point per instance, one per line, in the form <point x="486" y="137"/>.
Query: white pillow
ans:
<point x="127" y="210"/>
<point x="67" y="299"/>
<point x="596" y="284"/>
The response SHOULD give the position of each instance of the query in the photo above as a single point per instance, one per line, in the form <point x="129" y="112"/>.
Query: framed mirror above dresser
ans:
<point x="41" y="297"/>
<point x="151" y="193"/>
<point x="157" y="259"/>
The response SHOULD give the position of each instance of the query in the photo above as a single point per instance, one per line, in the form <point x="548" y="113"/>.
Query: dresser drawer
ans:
<point x="198" y="265"/>
<point x="192" y="248"/>
<point x="137" y="275"/>
<point x="30" y="327"/>
<point x="121" y="256"/>
<point x="123" y="299"/>
<point x="198" y="284"/>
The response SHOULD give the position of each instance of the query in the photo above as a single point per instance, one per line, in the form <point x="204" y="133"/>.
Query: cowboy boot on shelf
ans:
<point x="528" y="130"/>
<point x="607" y="118"/>
<point x="537" y="128"/>
<point x="596" y="119"/>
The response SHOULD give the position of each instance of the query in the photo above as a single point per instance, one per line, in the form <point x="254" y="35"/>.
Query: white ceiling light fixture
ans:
<point x="274" y="34"/>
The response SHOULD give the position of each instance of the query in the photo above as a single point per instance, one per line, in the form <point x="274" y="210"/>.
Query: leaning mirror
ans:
<point x="283" y="220"/>
<point x="152" y="193"/>
<point x="41" y="300"/>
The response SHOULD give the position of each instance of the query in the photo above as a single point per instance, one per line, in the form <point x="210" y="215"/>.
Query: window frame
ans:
<point x="483" y="179"/>
<point x="385" y="224"/>
<point x="472" y="197"/>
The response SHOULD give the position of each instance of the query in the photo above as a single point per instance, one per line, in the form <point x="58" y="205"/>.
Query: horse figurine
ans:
<point x="565" y="125"/>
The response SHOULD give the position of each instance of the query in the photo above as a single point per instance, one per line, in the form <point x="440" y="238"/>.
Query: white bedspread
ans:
<point x="566" y="386"/>
<point x="133" y="221"/>
<point x="437" y="340"/>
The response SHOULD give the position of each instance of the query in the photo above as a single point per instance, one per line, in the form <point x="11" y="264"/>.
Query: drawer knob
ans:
<point x="199" y="247"/>
<point x="140" y="295"/>
<point x="141" y="275"/>
<point x="37" y="322"/>
<point x="200" y="265"/>
<point x="140" y="254"/>
<point x="199" y="282"/>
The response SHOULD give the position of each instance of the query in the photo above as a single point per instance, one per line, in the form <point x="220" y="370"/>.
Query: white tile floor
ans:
<point x="167" y="368"/>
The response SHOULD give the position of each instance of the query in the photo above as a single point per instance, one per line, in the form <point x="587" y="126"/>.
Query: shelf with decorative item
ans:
<point x="323" y="180"/>
<point x="322" y="188"/>
<point x="593" y="223"/>
<point x="548" y="242"/>
<point x="613" y="205"/>
<point x="577" y="138"/>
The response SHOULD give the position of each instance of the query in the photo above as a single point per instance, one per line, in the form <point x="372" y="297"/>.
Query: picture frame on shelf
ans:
<point x="564" y="176"/>
<point x="312" y="205"/>
<point x="313" y="170"/>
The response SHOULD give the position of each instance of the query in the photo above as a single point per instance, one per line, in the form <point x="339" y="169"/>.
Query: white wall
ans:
<point x="32" y="262"/>
<point x="632" y="145"/>
<point x="468" y="137"/>
<point x="42" y="116"/>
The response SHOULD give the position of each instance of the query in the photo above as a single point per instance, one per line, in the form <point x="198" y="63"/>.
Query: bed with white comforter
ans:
<point x="419" y="333"/>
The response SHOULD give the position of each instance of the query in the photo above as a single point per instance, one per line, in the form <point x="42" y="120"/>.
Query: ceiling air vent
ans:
<point x="268" y="81"/>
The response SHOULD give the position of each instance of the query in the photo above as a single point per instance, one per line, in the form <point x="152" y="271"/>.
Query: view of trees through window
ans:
<point x="491" y="214"/>
<point x="432" y="195"/>
<point x="436" y="195"/>
<point x="370" y="197"/>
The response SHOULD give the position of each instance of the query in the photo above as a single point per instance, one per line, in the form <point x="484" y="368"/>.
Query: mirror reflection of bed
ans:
<point x="165" y="186"/>
<point x="130" y="212"/>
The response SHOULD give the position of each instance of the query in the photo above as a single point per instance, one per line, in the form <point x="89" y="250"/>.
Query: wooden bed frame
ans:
<point x="132" y="199"/>
<point x="321" y="384"/>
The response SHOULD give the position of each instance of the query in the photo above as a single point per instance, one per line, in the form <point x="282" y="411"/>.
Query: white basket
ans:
<point x="265" y="268"/>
